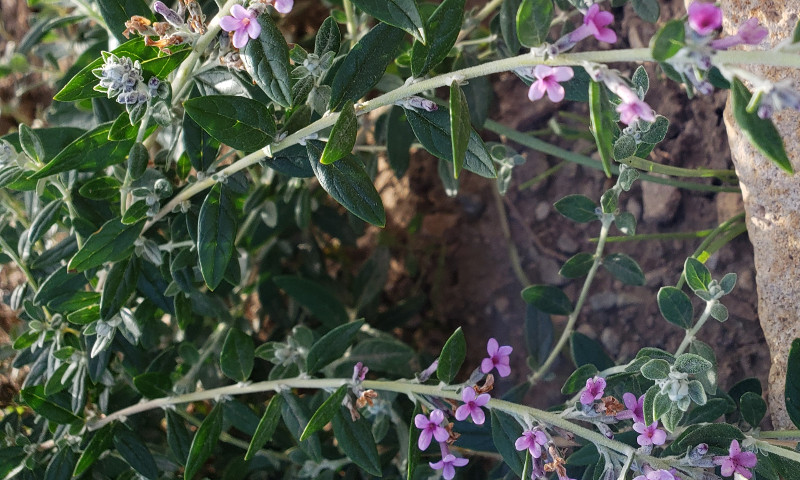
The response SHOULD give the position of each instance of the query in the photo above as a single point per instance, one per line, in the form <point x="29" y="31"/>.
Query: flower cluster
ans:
<point x="121" y="78"/>
<point x="175" y="31"/>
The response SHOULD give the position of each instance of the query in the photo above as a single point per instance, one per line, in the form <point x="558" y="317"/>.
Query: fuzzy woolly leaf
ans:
<point x="100" y="442"/>
<point x="267" y="61"/>
<point x="728" y="282"/>
<point x="343" y="136"/>
<point x="672" y="418"/>
<point x="719" y="312"/>
<point x="717" y="435"/>
<point x="533" y="22"/>
<point x="322" y="303"/>
<point x="658" y="130"/>
<point x="624" y="147"/>
<point x="624" y="268"/>
<point x="577" y="380"/>
<point x="452" y="356"/>
<point x="328" y="38"/>
<point x="655" y="369"/>
<point x="661" y="405"/>
<point x="753" y="408"/>
<point x="578" y="208"/>
<point x="697" y="275"/>
<point x="697" y="393"/>
<point x="709" y="377"/>
<point x="648" y="10"/>
<point x="585" y="350"/>
<point x="73" y="157"/>
<point x="648" y="407"/>
<point x="442" y="30"/>
<point x="548" y="299"/>
<point x="691" y="363"/>
<point x="296" y="415"/>
<point x="626" y="223"/>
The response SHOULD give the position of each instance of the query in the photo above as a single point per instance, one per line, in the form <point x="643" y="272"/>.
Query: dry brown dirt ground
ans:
<point x="453" y="249"/>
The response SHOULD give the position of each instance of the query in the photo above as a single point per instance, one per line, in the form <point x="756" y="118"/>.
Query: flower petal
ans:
<point x="491" y="347"/>
<point x="503" y="370"/>
<point x="254" y="29"/>
<point x="437" y="416"/>
<point x="478" y="416"/>
<point x="240" y="38"/>
<point x="284" y="6"/>
<point x="487" y="365"/>
<point x="555" y="92"/>
<point x="239" y="12"/>
<point x="229" y="24"/>
<point x="562" y="74"/>
<point x="462" y="412"/>
<point x="424" y="440"/>
<point x="606" y="35"/>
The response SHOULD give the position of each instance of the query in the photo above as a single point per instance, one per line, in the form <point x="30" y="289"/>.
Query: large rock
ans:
<point x="772" y="203"/>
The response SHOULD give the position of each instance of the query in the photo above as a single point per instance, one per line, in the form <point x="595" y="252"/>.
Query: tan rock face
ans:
<point x="772" y="203"/>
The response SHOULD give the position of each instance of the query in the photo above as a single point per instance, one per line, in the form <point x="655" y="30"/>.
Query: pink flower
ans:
<point x="498" y="358"/>
<point x="431" y="427"/>
<point x="547" y="81"/>
<point x="242" y="23"/>
<point x="736" y="461"/>
<point x="533" y="440"/>
<point x="472" y="406"/>
<point x="284" y="6"/>
<point x="750" y="33"/>
<point x="447" y="465"/>
<point x="656" y="475"/>
<point x="704" y="18"/>
<point x="594" y="23"/>
<point x="632" y="109"/>
<point x="650" y="434"/>
<point x="635" y="409"/>
<point x="593" y="391"/>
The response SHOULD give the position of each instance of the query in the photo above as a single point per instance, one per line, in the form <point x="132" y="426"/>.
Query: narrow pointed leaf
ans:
<point x="398" y="13"/>
<point x="792" y="391"/>
<point x="460" y="128"/>
<point x="204" y="442"/>
<point x="113" y="242"/>
<point x="216" y="232"/>
<point x="266" y="59"/>
<point x="328" y="38"/>
<point x="442" y="31"/>
<point x="325" y="412"/>
<point x="73" y="157"/>
<point x="135" y="453"/>
<point x="602" y="124"/>
<point x="239" y="122"/>
<point x="237" y="355"/>
<point x="266" y="427"/>
<point x="100" y="442"/>
<point x="331" y="346"/>
<point x="322" y="303"/>
<point x="177" y="436"/>
<point x="296" y="415"/>
<point x="343" y="136"/>
<point x="119" y="286"/>
<point x="452" y="356"/>
<point x="356" y="440"/>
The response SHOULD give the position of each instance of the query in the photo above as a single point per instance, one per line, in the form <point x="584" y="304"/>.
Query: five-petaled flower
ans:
<point x="736" y="461"/>
<point x="635" y="409"/>
<point x="649" y="434"/>
<point x="472" y="406"/>
<point x="498" y="358"/>
<point x="594" y="390"/>
<point x="750" y="33"/>
<point x="533" y="440"/>
<point x="594" y="23"/>
<point x="632" y="108"/>
<point x="243" y="23"/>
<point x="431" y="427"/>
<point x="704" y="18"/>
<point x="547" y="81"/>
<point x="447" y="465"/>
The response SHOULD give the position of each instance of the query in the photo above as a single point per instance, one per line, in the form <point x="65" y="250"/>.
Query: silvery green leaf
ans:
<point x="691" y="363"/>
<point x="656" y="130"/>
<point x="697" y="393"/>
<point x="684" y="403"/>
<point x="624" y="147"/>
<point x="626" y="178"/>
<point x="655" y="369"/>
<point x="728" y="282"/>
<point x="673" y="417"/>
<point x="641" y="81"/>
<point x="719" y="312"/>
<point x="661" y="405"/>
<point x="626" y="223"/>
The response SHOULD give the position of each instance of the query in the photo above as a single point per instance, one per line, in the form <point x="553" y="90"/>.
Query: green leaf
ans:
<point x="728" y="282"/>
<point x="325" y="413"/>
<point x="661" y="405"/>
<point x="578" y="208"/>
<point x="792" y="391"/>
<point x="533" y="22"/>
<point x="711" y="411"/>
<point x="668" y="40"/>
<point x="100" y="188"/>
<point x="719" y="312"/>
<point x="267" y="62"/>
<point x="138" y="158"/>
<point x="323" y="304"/>
<point x="624" y="147"/>
<point x="624" y="269"/>
<point x="343" y="136"/>
<point x="460" y="128"/>
<point x="348" y="183"/>
<point x="237" y="355"/>
<point x="442" y="30"/>
<point x="413" y="451"/>
<point x="548" y="299"/>
<point x="641" y="81"/>
<point x="331" y="346"/>
<point x="113" y="242"/>
<point x="100" y="442"/>
<point x="707" y="378"/>
<point x="153" y="384"/>
<point x="675" y="306"/>
<point x="384" y="355"/>
<point x="266" y="427"/>
<point x="61" y="466"/>
<point x="177" y="436"/>
<point x="399" y="142"/>
<point x="135" y="453"/>
<point x="508" y="24"/>
<point x="154" y="64"/>
<point x="453" y="354"/>
<point x="328" y="38"/>
<point x="356" y="441"/>
<point x="31" y="144"/>
<point x="648" y="406"/>
<point x="505" y="431"/>
<point x="753" y="408"/>
<point x="433" y="131"/>
<point x="296" y="416"/>
<point x="43" y="221"/>
<point x="239" y="122"/>
<point x="761" y="132"/>
<point x="584" y="351"/>
<point x="538" y="334"/>
<point x="216" y="232"/>
<point x="73" y="157"/>
<point x="716" y="435"/>
<point x="577" y="266"/>
<point x="602" y="124"/>
<point x="120" y="284"/>
<point x="648" y="10"/>
<point x="697" y="275"/>
<point x="292" y="161"/>
<point x="398" y="13"/>
<point x="658" y="130"/>
<point x="199" y="146"/>
<point x="696" y="392"/>
<point x="626" y="223"/>
<point x="577" y="380"/>
<point x="691" y="363"/>
<point x="204" y="442"/>
<point x="655" y="369"/>
<point x="672" y="418"/>
<point x="34" y="397"/>
<point x="117" y="12"/>
<point x="365" y="64"/>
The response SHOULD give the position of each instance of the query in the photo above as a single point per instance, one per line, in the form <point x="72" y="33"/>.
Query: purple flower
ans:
<point x="360" y="372"/>
<point x="547" y="81"/>
<point x="594" y="23"/>
<point x="447" y="465"/>
<point x="704" y="18"/>
<point x="533" y="440"/>
<point x="750" y="33"/>
<point x="635" y="409"/>
<point x="632" y="109"/>
<point x="284" y="6"/>
<point x="593" y="391"/>
<point x="472" y="406"/>
<point x="656" y="475"/>
<point x="498" y="358"/>
<point x="650" y="434"/>
<point x="242" y="23"/>
<point x="736" y="461"/>
<point x="430" y="428"/>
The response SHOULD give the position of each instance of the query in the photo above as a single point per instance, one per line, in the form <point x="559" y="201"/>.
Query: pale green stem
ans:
<point x="497" y="66"/>
<point x="12" y="253"/>
<point x="721" y="228"/>
<point x="73" y="214"/>
<point x="657" y="236"/>
<point x="783" y="452"/>
<point x="653" y="167"/>
<point x="350" y="15"/>
<point x="780" y="434"/>
<point x="573" y="317"/>
<point x="690" y="334"/>
<point x="625" y="467"/>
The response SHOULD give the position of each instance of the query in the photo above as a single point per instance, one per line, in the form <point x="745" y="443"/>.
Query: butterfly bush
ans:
<point x="186" y="223"/>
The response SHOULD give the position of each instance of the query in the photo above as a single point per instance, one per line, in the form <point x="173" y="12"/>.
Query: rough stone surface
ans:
<point x="772" y="203"/>
<point x="660" y="202"/>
